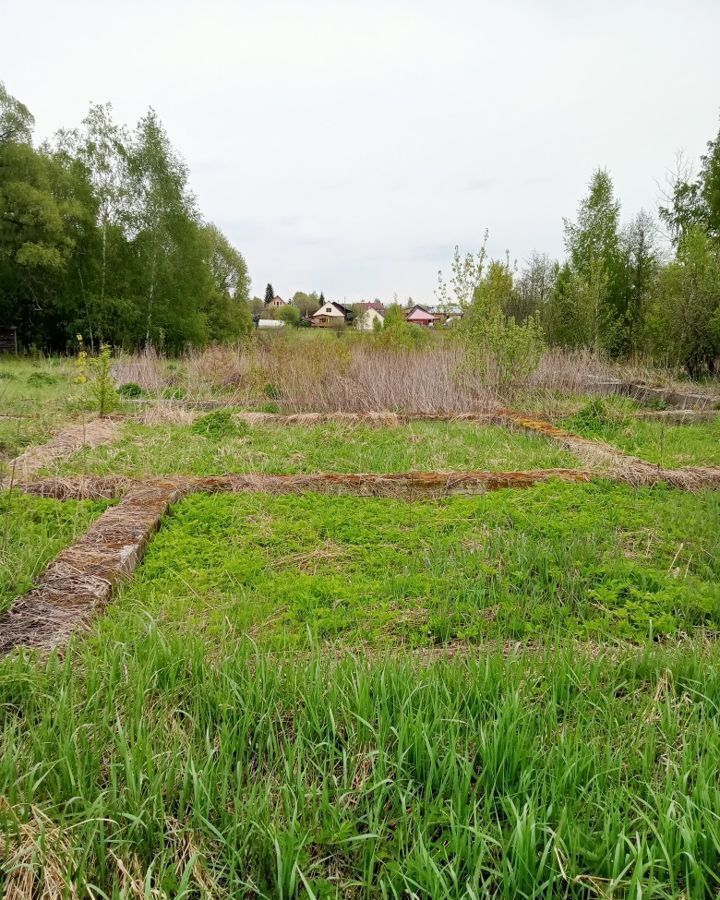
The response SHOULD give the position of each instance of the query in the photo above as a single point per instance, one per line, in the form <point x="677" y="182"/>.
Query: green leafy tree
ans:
<point x="593" y="245"/>
<point x="306" y="303"/>
<point x="695" y="202"/>
<point x="290" y="315"/>
<point x="497" y="349"/>
<point x="684" y="321"/>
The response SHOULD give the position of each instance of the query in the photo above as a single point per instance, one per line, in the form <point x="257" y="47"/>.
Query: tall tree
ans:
<point x="640" y="264"/>
<point x="16" y="121"/>
<point x="269" y="293"/>
<point x="696" y="201"/>
<point x="593" y="245"/>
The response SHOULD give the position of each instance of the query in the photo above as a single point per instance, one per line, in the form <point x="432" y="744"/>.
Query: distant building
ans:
<point x="331" y="314"/>
<point x="419" y="315"/>
<point x="275" y="303"/>
<point x="270" y="323"/>
<point x="367" y="318"/>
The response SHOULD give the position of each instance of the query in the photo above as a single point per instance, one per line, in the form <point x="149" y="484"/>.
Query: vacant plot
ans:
<point x="582" y="561"/>
<point x="669" y="445"/>
<point x="225" y="445"/>
<point x="510" y="695"/>
<point x="32" y="532"/>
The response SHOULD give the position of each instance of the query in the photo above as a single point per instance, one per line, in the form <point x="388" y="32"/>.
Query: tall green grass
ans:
<point x="32" y="531"/>
<point x="171" y="449"/>
<point x="169" y="767"/>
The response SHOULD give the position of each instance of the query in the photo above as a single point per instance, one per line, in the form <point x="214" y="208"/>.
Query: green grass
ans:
<point x="241" y="775"/>
<point x="597" y="561"/>
<point x="32" y="531"/>
<point x="655" y="441"/>
<point x="177" y="449"/>
<point x="37" y="398"/>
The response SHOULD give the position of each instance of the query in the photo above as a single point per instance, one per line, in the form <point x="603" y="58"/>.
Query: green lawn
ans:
<point x="658" y="442"/>
<point x="32" y="531"/>
<point x="595" y="561"/>
<point x="156" y="769"/>
<point x="237" y="448"/>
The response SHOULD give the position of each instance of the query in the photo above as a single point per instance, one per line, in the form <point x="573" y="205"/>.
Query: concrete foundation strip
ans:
<point x="79" y="583"/>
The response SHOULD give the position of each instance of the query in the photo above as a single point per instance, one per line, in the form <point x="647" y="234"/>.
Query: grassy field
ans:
<point x="594" y="561"/>
<point x="656" y="441"/>
<point x="164" y="767"/>
<point x="32" y="531"/>
<point x="305" y="696"/>
<point x="225" y="445"/>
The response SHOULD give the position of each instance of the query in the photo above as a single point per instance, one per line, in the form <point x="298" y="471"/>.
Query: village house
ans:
<point x="370" y="318"/>
<point x="419" y="315"/>
<point x="275" y="303"/>
<point x="331" y="315"/>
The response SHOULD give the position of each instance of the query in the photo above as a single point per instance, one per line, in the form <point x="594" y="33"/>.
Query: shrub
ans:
<point x="599" y="414"/>
<point x="219" y="424"/>
<point x="130" y="390"/>
<point x="41" y="378"/>
<point x="498" y="349"/>
<point x="95" y="371"/>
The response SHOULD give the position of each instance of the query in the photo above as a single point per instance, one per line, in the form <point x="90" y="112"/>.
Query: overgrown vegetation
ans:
<point x="664" y="443"/>
<point x="32" y="532"/>
<point x="217" y="443"/>
<point x="594" y="561"/>
<point x="172" y="766"/>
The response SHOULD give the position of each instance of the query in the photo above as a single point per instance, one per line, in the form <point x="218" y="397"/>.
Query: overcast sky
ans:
<point x="348" y="146"/>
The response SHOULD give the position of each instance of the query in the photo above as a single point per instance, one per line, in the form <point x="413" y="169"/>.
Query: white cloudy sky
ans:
<point x="347" y="146"/>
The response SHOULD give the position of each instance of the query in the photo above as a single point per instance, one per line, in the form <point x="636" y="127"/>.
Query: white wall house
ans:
<point x="329" y="314"/>
<point x="367" y="319"/>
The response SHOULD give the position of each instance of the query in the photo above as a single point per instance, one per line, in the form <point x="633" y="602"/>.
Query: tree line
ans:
<point x="650" y="287"/>
<point x="100" y="235"/>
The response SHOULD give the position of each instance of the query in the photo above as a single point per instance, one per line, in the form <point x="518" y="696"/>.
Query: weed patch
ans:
<point x="594" y="561"/>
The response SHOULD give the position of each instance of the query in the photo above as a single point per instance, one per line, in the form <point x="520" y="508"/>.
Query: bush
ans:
<point x="498" y="350"/>
<point x="130" y="390"/>
<point x="219" y="424"/>
<point x="601" y="413"/>
<point x="40" y="378"/>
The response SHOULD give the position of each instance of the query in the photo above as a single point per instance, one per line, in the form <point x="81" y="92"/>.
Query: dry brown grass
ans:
<point x="66" y="442"/>
<point x="351" y="373"/>
<point x="35" y="856"/>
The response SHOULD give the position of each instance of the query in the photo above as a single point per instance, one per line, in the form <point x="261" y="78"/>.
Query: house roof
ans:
<point x="339" y="309"/>
<point x="376" y="305"/>
<point x="420" y="312"/>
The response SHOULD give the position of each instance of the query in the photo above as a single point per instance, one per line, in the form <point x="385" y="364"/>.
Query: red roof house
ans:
<point x="418" y="315"/>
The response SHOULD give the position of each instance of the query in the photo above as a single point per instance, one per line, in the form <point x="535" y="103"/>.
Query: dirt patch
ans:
<point x="65" y="443"/>
<point x="79" y="583"/>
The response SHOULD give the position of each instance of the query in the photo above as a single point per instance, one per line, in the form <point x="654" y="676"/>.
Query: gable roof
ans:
<point x="420" y="312"/>
<point x="376" y="305"/>
<point x="330" y="308"/>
